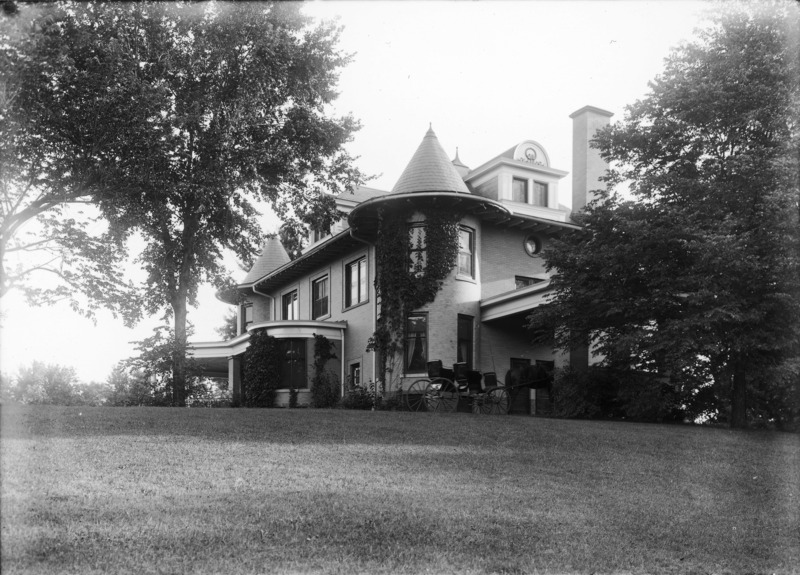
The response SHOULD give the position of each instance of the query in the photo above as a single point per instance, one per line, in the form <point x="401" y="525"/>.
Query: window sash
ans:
<point x="247" y="316"/>
<point x="519" y="190"/>
<point x="417" y="248"/>
<point x="290" y="305"/>
<point x="465" y="340"/>
<point x="416" y="344"/>
<point x="539" y="194"/>
<point x="466" y="259"/>
<point x="355" y="276"/>
<point x="319" y="297"/>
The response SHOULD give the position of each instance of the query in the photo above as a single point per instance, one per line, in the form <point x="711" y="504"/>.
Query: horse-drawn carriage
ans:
<point x="444" y="389"/>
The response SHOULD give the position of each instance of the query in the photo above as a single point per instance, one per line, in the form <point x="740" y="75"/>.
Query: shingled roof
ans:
<point x="430" y="170"/>
<point x="271" y="258"/>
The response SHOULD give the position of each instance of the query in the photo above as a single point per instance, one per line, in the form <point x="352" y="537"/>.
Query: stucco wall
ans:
<point x="503" y="257"/>
<point x="359" y="318"/>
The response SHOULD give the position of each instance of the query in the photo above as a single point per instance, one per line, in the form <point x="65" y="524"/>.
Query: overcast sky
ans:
<point x="486" y="75"/>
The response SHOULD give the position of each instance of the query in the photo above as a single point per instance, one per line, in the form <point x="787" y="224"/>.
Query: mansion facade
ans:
<point x="509" y="210"/>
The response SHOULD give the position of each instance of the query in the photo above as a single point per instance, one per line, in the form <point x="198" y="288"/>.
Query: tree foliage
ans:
<point x="698" y="275"/>
<point x="50" y="384"/>
<point x="183" y="114"/>
<point x="52" y="247"/>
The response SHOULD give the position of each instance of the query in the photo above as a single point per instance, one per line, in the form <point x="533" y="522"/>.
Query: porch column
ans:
<point x="235" y="378"/>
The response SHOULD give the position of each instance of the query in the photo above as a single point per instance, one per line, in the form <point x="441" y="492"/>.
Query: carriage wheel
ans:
<point x="415" y="396"/>
<point x="441" y="395"/>
<point x="496" y="402"/>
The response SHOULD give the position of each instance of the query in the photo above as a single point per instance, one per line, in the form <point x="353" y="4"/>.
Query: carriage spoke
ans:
<point x="415" y="396"/>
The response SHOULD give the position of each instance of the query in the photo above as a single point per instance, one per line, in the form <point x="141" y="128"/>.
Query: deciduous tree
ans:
<point x="182" y="115"/>
<point x="52" y="246"/>
<point x="698" y="275"/>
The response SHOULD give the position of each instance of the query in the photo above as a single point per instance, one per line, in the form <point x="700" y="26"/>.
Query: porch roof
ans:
<point x="213" y="355"/>
<point x="515" y="303"/>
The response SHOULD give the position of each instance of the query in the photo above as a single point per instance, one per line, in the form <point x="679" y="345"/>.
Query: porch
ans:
<point x="225" y="359"/>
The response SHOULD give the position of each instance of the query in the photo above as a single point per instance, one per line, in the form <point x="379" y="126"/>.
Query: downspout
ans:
<point x="271" y="299"/>
<point x="342" y="362"/>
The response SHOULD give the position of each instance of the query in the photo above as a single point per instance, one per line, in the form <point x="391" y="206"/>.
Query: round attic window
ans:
<point x="532" y="245"/>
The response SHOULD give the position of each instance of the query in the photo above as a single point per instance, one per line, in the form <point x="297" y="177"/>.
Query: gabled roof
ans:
<point x="361" y="194"/>
<point x="272" y="256"/>
<point x="430" y="170"/>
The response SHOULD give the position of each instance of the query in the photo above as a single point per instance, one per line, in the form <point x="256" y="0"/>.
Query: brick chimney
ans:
<point x="587" y="165"/>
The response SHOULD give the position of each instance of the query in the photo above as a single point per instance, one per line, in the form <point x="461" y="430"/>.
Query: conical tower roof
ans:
<point x="272" y="256"/>
<point x="430" y="170"/>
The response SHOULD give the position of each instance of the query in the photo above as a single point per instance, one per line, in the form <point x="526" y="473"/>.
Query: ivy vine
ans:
<point x="324" y="383"/>
<point x="404" y="285"/>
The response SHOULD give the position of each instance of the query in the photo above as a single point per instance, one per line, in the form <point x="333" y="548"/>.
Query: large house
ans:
<point x="510" y="210"/>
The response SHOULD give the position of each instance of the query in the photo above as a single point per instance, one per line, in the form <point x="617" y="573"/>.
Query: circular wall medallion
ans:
<point x="530" y="154"/>
<point x="533" y="245"/>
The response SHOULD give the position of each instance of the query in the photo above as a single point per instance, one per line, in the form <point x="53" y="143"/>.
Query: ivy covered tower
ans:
<point x="427" y="238"/>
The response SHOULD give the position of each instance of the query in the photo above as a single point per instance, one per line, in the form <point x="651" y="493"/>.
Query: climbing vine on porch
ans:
<point x="404" y="285"/>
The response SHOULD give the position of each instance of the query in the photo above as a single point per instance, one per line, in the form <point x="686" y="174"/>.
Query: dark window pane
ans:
<point x="519" y="190"/>
<point x="416" y="344"/>
<point x="319" y="297"/>
<point x="539" y="194"/>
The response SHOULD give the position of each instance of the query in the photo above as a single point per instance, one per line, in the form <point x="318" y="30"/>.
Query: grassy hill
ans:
<point x="157" y="490"/>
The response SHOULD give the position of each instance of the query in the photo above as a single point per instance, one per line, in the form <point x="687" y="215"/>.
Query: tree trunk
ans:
<point x="739" y="395"/>
<point x="179" y="352"/>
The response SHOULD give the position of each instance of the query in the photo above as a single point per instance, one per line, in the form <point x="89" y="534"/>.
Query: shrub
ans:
<point x="358" y="397"/>
<point x="261" y="371"/>
<point x="581" y="394"/>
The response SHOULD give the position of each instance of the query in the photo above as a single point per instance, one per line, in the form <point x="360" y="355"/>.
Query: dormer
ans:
<point x="521" y="178"/>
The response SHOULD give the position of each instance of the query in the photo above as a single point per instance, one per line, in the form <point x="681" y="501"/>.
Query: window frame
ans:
<point x="296" y="365"/>
<point x="295" y="306"/>
<point x="417" y="254"/>
<point x="525" y="189"/>
<point x="243" y="323"/>
<point x="314" y="282"/>
<point x="406" y="347"/>
<point x="545" y="187"/>
<point x="521" y="282"/>
<point x="469" y="360"/>
<point x="354" y="367"/>
<point x="347" y="280"/>
<point x="472" y="259"/>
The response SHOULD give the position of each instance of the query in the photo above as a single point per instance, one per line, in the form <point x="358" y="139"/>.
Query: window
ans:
<point x="246" y="316"/>
<point x="523" y="281"/>
<point x="519" y="190"/>
<point x="355" y="279"/>
<point x="416" y="344"/>
<point x="319" y="298"/>
<point x="290" y="305"/>
<point x="539" y="194"/>
<point x="532" y="245"/>
<point x="355" y="374"/>
<point x="465" y="340"/>
<point x="417" y="249"/>
<point x="317" y="235"/>
<point x="293" y="364"/>
<point x="466" y="252"/>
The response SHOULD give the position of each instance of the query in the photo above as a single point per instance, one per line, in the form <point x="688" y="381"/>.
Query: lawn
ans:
<point x="158" y="490"/>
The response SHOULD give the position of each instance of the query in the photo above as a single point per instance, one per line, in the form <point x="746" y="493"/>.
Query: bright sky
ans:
<point x="486" y="75"/>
